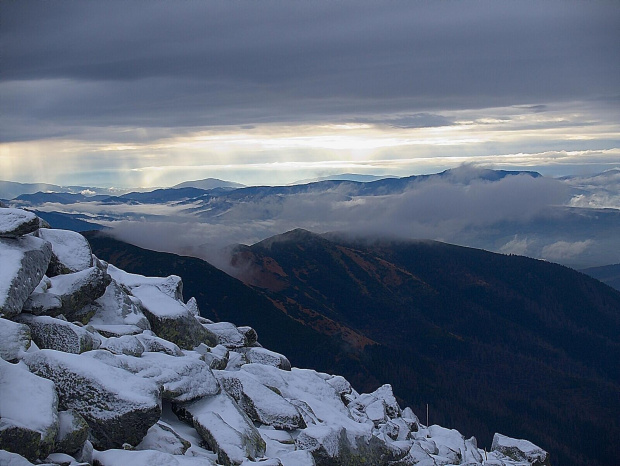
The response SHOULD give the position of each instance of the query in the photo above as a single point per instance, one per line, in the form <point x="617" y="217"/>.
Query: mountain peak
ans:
<point x="298" y="235"/>
<point x="209" y="183"/>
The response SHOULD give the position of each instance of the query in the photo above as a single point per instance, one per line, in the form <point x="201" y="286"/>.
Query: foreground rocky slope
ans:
<point x="105" y="367"/>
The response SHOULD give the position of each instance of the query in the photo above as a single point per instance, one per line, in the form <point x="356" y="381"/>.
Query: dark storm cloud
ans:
<point x="173" y="64"/>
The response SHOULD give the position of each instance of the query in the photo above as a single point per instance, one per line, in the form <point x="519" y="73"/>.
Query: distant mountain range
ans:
<point x="528" y="346"/>
<point x="345" y="177"/>
<point x="36" y="194"/>
<point x="609" y="274"/>
<point x="11" y="189"/>
<point x="71" y="194"/>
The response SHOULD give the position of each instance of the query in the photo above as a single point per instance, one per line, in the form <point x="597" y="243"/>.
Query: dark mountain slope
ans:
<point x="485" y="339"/>
<point x="74" y="222"/>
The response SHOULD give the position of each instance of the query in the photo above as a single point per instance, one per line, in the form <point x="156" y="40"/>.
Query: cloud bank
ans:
<point x="517" y="215"/>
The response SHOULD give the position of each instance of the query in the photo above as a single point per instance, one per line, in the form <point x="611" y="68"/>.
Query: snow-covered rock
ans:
<point x="13" y="459"/>
<point x="251" y="337"/>
<point x="172" y="285"/>
<point x="453" y="446"/>
<point x="154" y="344"/>
<point x="70" y="251"/>
<point x="259" y="402"/>
<point x="43" y="303"/>
<point x="227" y="334"/>
<point x="270" y="358"/>
<point x="192" y="306"/>
<point x="130" y="345"/>
<point x="57" y="334"/>
<point x="76" y="290"/>
<point x="147" y="458"/>
<point x="23" y="262"/>
<point x="216" y="357"/>
<point x="116" y="313"/>
<point x="14" y="339"/>
<point x="519" y="450"/>
<point x="378" y="406"/>
<point x="179" y="378"/>
<point x="162" y="437"/>
<point x="225" y="428"/>
<point x="297" y="458"/>
<point x="118" y="406"/>
<point x="170" y="319"/>
<point x="72" y="432"/>
<point x="28" y="412"/>
<point x="17" y="222"/>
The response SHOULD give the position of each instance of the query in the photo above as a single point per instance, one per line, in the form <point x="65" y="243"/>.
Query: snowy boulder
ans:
<point x="70" y="251"/>
<point x="146" y="458"/>
<point x="333" y="444"/>
<point x="378" y="406"/>
<point x="326" y="443"/>
<point x="224" y="427"/>
<point x="192" y="305"/>
<point x="118" y="406"/>
<point x="519" y="450"/>
<point x="23" y="263"/>
<point x="297" y="458"/>
<point x="411" y="419"/>
<point x="57" y="334"/>
<point x="179" y="378"/>
<point x="170" y="319"/>
<point x="14" y="339"/>
<point x="43" y="303"/>
<point x="259" y="402"/>
<point x="13" y="459"/>
<point x="227" y="334"/>
<point x="269" y="358"/>
<point x="162" y="437"/>
<point x="172" y="286"/>
<point x="453" y="445"/>
<point x="115" y="313"/>
<point x="418" y="456"/>
<point x="17" y="222"/>
<point x="216" y="357"/>
<point x="340" y="384"/>
<point x="154" y="344"/>
<point x="126" y="344"/>
<point x="251" y="337"/>
<point x="28" y="424"/>
<point x="78" y="289"/>
<point x="72" y="432"/>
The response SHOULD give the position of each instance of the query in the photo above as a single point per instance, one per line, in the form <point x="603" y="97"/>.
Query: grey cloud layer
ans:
<point x="204" y="63"/>
<point x="513" y="215"/>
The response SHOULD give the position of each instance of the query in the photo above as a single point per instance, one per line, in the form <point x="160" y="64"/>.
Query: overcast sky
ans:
<point x="152" y="93"/>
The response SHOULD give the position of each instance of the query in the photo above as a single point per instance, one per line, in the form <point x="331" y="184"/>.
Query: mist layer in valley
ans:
<point x="573" y="220"/>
